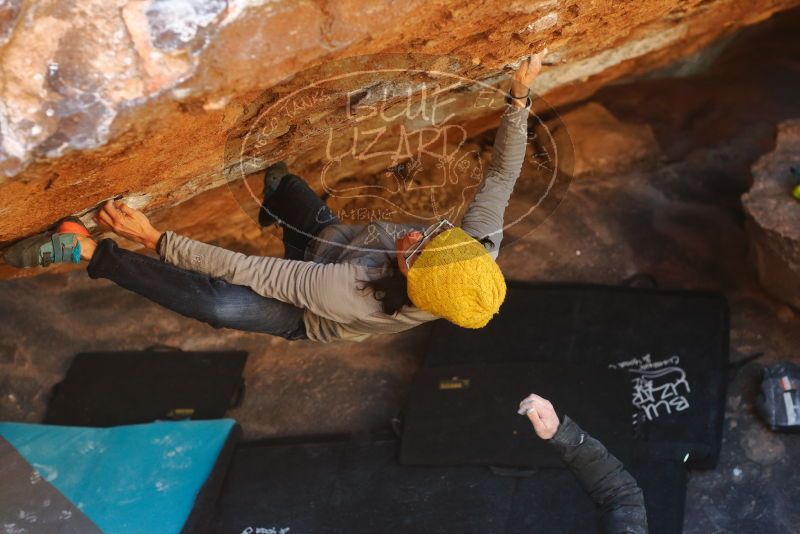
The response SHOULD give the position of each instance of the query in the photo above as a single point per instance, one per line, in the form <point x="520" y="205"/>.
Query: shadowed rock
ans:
<point x="773" y="221"/>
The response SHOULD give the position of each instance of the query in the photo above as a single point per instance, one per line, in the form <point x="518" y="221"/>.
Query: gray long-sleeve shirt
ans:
<point x="329" y="284"/>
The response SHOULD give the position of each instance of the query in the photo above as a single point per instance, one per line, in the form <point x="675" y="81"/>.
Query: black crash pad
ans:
<point x="346" y="487"/>
<point x="128" y="387"/>
<point x="671" y="344"/>
<point x="467" y="414"/>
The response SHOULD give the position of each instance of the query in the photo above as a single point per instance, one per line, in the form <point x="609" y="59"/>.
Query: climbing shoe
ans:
<point x="60" y="246"/>
<point x="272" y="179"/>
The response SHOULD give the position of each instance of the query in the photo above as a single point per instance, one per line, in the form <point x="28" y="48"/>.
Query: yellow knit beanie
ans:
<point x="455" y="278"/>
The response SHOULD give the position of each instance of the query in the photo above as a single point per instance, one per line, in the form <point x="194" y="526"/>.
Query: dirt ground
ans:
<point x="673" y="213"/>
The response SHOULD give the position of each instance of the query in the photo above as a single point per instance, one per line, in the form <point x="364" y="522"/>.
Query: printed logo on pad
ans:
<point x="660" y="387"/>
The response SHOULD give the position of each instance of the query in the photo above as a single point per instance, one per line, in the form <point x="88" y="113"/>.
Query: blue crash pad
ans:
<point x="127" y="479"/>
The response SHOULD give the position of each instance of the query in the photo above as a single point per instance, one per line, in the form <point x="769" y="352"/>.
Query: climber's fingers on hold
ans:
<point x="111" y="214"/>
<point x="125" y="209"/>
<point x="522" y="70"/>
<point x="103" y="218"/>
<point x="530" y="67"/>
<point x="110" y="210"/>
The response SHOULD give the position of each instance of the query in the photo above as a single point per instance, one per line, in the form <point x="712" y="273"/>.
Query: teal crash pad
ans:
<point x="127" y="479"/>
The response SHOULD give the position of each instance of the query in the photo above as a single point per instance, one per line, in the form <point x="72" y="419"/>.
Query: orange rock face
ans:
<point x="169" y="103"/>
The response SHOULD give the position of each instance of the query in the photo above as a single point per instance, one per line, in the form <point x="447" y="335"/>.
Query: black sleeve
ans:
<point x="614" y="491"/>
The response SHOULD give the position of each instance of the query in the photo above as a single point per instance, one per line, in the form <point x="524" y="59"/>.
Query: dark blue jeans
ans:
<point x="215" y="301"/>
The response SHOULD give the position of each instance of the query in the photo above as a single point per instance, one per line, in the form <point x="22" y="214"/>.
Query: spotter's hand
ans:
<point x="541" y="414"/>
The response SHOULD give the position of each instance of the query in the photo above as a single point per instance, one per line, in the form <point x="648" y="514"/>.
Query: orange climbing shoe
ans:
<point x="60" y="246"/>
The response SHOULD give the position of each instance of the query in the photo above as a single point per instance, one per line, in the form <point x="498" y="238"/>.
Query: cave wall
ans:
<point x="138" y="98"/>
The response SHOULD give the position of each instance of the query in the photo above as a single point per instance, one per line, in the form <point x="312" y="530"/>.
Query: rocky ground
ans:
<point x="659" y="191"/>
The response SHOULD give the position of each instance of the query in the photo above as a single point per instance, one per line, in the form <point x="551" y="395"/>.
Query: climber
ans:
<point x="617" y="496"/>
<point x="336" y="281"/>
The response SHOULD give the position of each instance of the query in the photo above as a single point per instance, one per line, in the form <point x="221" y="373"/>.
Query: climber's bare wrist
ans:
<point x="150" y="239"/>
<point x="518" y="103"/>
<point x="519" y="93"/>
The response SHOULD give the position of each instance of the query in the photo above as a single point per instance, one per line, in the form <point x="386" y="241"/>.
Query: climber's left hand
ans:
<point x="129" y="223"/>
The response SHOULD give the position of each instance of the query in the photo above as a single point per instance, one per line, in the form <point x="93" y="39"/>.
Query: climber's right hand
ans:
<point x="129" y="223"/>
<point x="524" y="76"/>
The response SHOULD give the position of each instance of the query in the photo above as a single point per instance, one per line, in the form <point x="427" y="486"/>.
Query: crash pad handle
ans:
<point x="160" y="347"/>
<point x="238" y="395"/>
<point x="513" y="471"/>
<point x="636" y="278"/>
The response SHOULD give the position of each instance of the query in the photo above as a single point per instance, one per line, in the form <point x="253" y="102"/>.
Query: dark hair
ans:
<point x="391" y="290"/>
